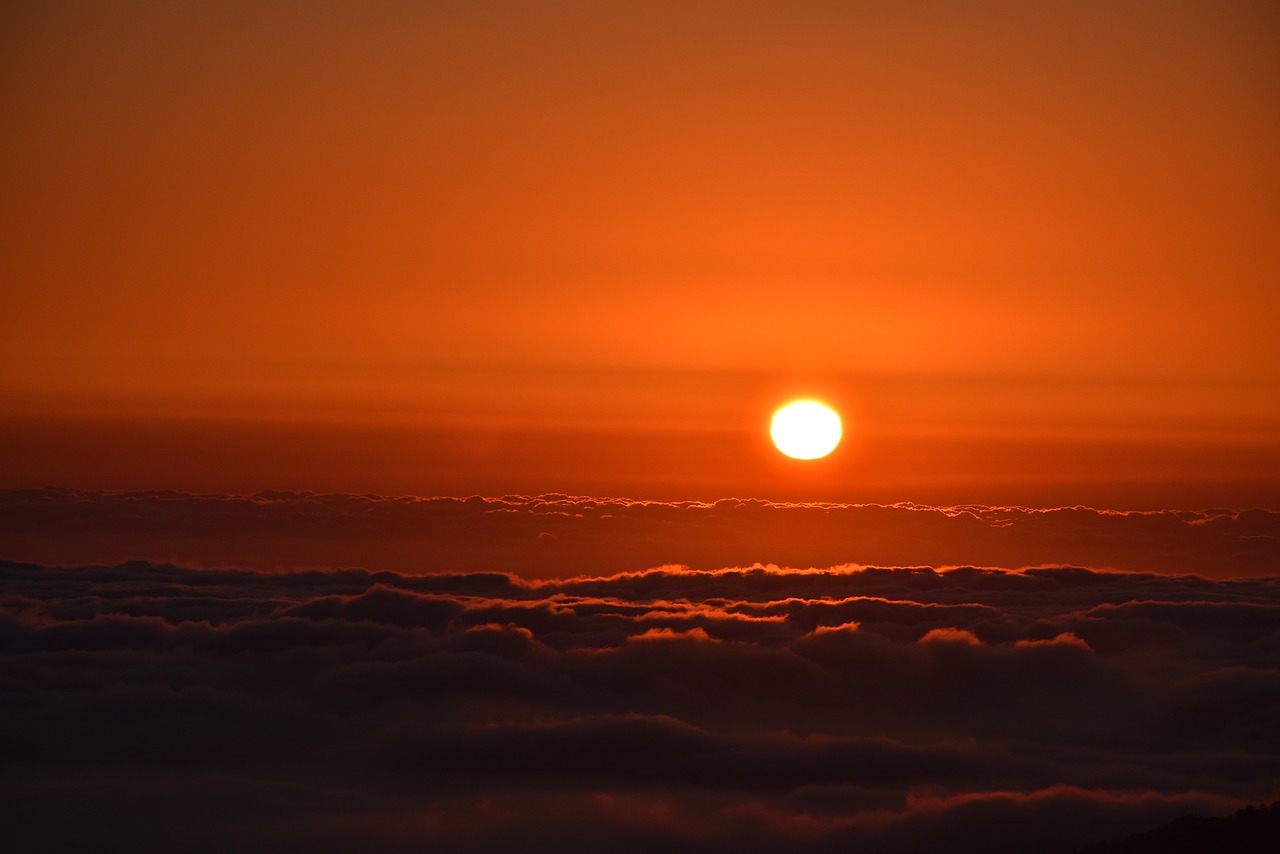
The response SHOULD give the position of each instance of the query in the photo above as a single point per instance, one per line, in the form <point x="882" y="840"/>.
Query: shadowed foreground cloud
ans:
<point x="968" y="710"/>
<point x="554" y="535"/>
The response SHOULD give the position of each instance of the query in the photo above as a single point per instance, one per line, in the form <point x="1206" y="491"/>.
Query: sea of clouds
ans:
<point x="845" y="709"/>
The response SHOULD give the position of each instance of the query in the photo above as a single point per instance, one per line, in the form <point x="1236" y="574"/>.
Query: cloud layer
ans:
<point x="555" y="535"/>
<point x="758" y="709"/>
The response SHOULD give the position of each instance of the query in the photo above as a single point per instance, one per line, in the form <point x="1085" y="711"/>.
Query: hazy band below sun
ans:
<point x="805" y="430"/>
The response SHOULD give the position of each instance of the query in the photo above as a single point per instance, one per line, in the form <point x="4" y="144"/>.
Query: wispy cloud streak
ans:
<point x="555" y="535"/>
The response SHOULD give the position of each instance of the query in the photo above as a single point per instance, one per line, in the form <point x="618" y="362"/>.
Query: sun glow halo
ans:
<point x="806" y="430"/>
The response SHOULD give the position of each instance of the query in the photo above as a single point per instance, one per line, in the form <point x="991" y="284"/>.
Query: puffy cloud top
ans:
<point x="748" y="709"/>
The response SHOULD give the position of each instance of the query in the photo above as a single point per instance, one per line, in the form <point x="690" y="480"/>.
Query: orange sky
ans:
<point x="1028" y="249"/>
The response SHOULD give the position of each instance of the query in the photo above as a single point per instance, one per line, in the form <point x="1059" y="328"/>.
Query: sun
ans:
<point x="806" y="430"/>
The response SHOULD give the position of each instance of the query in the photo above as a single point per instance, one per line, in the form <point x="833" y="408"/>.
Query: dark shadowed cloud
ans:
<point x="848" y="709"/>
<point x="557" y="535"/>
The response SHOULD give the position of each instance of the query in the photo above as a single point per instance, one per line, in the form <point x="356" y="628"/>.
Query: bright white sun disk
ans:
<point x="806" y="430"/>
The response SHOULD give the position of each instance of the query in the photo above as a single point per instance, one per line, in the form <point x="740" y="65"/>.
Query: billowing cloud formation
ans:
<point x="552" y="535"/>
<point x="758" y="709"/>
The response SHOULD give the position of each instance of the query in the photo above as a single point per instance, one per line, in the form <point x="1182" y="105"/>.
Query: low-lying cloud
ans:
<point x="555" y="535"/>
<point x="760" y="709"/>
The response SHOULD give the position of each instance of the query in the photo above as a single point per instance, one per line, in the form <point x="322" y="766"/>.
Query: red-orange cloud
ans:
<point x="558" y="535"/>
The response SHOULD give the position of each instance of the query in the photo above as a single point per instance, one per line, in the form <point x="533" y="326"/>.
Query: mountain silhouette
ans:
<point x="1249" y="831"/>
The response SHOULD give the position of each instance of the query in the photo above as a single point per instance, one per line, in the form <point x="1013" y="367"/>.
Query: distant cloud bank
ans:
<point x="559" y="536"/>
<point x="963" y="711"/>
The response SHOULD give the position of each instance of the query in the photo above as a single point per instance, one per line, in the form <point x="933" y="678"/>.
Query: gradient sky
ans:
<point x="384" y="403"/>
<point x="1029" y="250"/>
